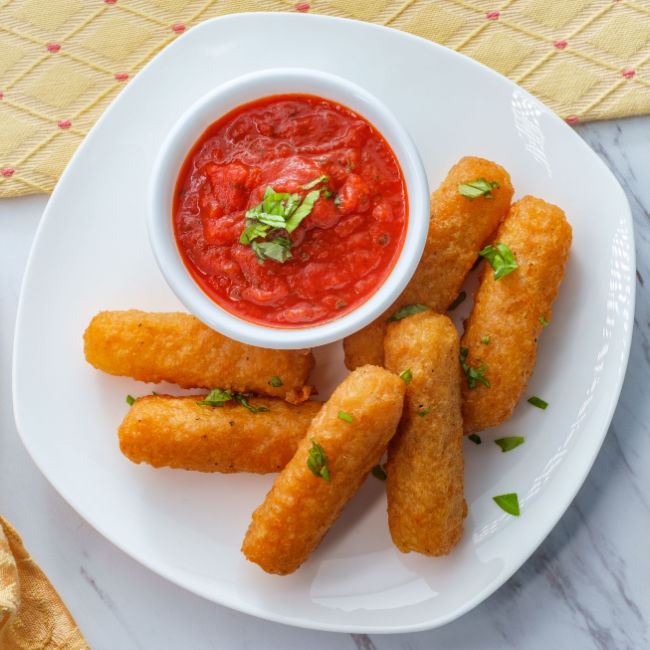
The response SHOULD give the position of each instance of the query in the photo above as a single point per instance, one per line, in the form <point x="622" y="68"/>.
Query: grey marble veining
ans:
<point x="587" y="586"/>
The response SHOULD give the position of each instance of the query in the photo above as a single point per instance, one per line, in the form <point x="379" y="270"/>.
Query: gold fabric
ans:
<point x="32" y="616"/>
<point x="63" y="61"/>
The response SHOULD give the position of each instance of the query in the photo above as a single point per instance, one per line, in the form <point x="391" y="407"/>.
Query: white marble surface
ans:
<point x="587" y="586"/>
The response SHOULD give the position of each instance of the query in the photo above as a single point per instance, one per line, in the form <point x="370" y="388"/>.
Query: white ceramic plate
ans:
<point x="91" y="253"/>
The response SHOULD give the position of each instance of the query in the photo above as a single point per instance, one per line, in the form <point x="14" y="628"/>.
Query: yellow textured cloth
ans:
<point x="32" y="616"/>
<point x="63" y="61"/>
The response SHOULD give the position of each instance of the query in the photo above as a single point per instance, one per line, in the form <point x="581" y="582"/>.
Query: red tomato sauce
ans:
<point x="341" y="252"/>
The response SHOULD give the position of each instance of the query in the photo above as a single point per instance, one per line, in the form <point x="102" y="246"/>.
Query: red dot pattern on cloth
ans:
<point x="53" y="47"/>
<point x="572" y="119"/>
<point x="121" y="76"/>
<point x="560" y="44"/>
<point x="178" y="28"/>
<point x="302" y="6"/>
<point x="7" y="171"/>
<point x="65" y="124"/>
<point x="492" y="15"/>
<point x="628" y="73"/>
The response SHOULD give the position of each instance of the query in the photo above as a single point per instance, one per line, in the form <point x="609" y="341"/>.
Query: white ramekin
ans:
<point x="223" y="99"/>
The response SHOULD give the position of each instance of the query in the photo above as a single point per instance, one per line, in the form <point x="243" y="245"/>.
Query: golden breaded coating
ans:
<point x="166" y="431"/>
<point x="180" y="349"/>
<point x="301" y="506"/>
<point x="510" y="310"/>
<point x="457" y="231"/>
<point x="424" y="483"/>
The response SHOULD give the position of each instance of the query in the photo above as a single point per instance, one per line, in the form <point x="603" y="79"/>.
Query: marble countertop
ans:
<point x="585" y="587"/>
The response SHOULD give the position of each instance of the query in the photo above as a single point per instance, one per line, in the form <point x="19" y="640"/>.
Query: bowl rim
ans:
<point x="189" y="127"/>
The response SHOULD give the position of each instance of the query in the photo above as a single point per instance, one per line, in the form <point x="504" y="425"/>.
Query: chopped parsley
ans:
<point x="130" y="400"/>
<point x="217" y="397"/>
<point x="421" y="414"/>
<point x="276" y="381"/>
<point x="500" y="258"/>
<point x="407" y="310"/>
<point x="317" y="461"/>
<point x="509" y="443"/>
<point x="480" y="187"/>
<point x="485" y="340"/>
<point x="476" y="439"/>
<point x="543" y="321"/>
<point x="378" y="472"/>
<point x="346" y="417"/>
<point x="406" y="375"/>
<point x="277" y="211"/>
<point x="461" y="296"/>
<point x="508" y="502"/>
<point x="473" y="375"/>
<point x="538" y="402"/>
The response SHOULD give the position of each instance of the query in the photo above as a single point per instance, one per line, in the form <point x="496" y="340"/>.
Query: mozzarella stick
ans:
<point x="166" y="431"/>
<point x="351" y="430"/>
<point x="424" y="485"/>
<point x="457" y="231"/>
<point x="501" y="333"/>
<point x="180" y="349"/>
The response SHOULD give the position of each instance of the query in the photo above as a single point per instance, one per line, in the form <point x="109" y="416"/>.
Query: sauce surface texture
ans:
<point x="303" y="148"/>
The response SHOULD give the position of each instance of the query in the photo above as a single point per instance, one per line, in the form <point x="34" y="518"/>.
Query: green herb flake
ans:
<point x="422" y="413"/>
<point x="130" y="400"/>
<point x="277" y="249"/>
<point x="543" y="321"/>
<point x="407" y="310"/>
<point x="276" y="381"/>
<point x="508" y="502"/>
<point x="317" y="181"/>
<point x="406" y="375"/>
<point x="538" y="402"/>
<point x="317" y="461"/>
<point x="346" y="417"/>
<point x="476" y="439"/>
<point x="461" y="296"/>
<point x="509" y="443"/>
<point x="378" y="472"/>
<point x="216" y="397"/>
<point x="500" y="258"/>
<point x="303" y="210"/>
<point x="480" y="187"/>
<point x="244" y="402"/>
<point x="485" y="340"/>
<point x="473" y="375"/>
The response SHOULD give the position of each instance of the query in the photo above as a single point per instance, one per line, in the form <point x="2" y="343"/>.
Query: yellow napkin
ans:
<point x="32" y="616"/>
<point x="63" y="61"/>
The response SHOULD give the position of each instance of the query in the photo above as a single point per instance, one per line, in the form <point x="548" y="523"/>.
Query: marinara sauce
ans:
<point x="338" y="255"/>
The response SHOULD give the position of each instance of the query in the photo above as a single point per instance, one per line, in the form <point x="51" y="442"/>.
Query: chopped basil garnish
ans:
<point x="406" y="375"/>
<point x="543" y="321"/>
<point x="345" y="416"/>
<point x="509" y="443"/>
<point x="461" y="296"/>
<point x="277" y="211"/>
<point x="476" y="439"/>
<point x="538" y="402"/>
<point x="485" y="340"/>
<point x="508" y="502"/>
<point x="421" y="414"/>
<point x="500" y="258"/>
<point x="320" y="179"/>
<point x="480" y="187"/>
<point x="407" y="310"/>
<point x="317" y="461"/>
<point x="276" y="381"/>
<point x="218" y="396"/>
<point x="473" y="375"/>
<point x="378" y="472"/>
<point x="130" y="400"/>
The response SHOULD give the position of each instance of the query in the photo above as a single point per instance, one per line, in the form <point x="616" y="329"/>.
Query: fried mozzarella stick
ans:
<point x="424" y="484"/>
<point x="509" y="314"/>
<point x="180" y="349"/>
<point x="344" y="441"/>
<point x="457" y="230"/>
<point x="166" y="431"/>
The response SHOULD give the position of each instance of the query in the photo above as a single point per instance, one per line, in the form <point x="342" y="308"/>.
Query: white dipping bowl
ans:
<point x="210" y="108"/>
